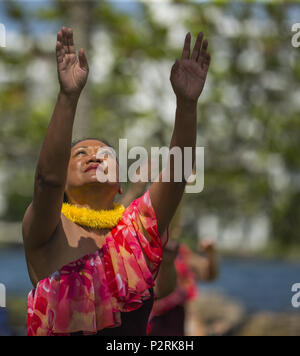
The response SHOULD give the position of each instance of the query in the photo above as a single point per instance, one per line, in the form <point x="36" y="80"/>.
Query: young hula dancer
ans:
<point x="92" y="262"/>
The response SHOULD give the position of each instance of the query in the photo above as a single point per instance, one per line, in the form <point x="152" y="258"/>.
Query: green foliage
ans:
<point x="249" y="113"/>
<point x="18" y="193"/>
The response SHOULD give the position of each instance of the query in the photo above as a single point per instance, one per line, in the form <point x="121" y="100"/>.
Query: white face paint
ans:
<point x="107" y="169"/>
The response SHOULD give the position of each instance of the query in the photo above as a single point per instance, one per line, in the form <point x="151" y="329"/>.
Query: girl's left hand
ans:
<point x="188" y="75"/>
<point x="207" y="246"/>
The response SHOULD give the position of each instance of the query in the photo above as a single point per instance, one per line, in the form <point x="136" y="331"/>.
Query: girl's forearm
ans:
<point x="206" y="267"/>
<point x="213" y="266"/>
<point x="166" y="280"/>
<point x="185" y="129"/>
<point x="55" y="152"/>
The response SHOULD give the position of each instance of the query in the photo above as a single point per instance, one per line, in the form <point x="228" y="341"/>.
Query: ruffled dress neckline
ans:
<point x="89" y="294"/>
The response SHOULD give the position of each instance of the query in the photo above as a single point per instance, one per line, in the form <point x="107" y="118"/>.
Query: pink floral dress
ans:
<point x="90" y="294"/>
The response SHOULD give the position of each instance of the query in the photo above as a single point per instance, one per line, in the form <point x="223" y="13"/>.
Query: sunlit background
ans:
<point x="249" y="116"/>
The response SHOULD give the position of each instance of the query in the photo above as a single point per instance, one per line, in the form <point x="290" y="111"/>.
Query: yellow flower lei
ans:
<point x="99" y="219"/>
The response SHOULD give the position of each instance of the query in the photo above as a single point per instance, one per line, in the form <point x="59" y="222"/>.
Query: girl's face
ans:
<point x="83" y="164"/>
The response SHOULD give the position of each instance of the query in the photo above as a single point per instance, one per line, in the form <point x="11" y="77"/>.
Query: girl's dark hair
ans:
<point x="85" y="139"/>
<point x="91" y="138"/>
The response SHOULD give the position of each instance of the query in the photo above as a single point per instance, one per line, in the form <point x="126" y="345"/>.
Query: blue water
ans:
<point x="257" y="284"/>
<point x="13" y="271"/>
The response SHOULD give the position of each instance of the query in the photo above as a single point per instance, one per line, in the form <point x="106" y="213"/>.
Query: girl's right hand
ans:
<point x="207" y="246"/>
<point x="72" y="71"/>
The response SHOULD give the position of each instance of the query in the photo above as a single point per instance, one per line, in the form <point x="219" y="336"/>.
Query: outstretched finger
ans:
<point x="197" y="47"/>
<point x="59" y="36"/>
<point x="206" y="62"/>
<point x="83" y="60"/>
<point x="60" y="52"/>
<point x="186" y="47"/>
<point x="70" y="41"/>
<point x="65" y="39"/>
<point x="202" y="53"/>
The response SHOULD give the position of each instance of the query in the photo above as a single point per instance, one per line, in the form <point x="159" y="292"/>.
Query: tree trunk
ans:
<point x="79" y="15"/>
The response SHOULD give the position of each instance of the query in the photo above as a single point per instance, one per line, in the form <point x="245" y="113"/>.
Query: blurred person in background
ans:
<point x="92" y="262"/>
<point x="176" y="286"/>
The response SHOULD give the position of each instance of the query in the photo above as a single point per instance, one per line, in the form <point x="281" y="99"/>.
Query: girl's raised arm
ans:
<point x="43" y="214"/>
<point x="188" y="77"/>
